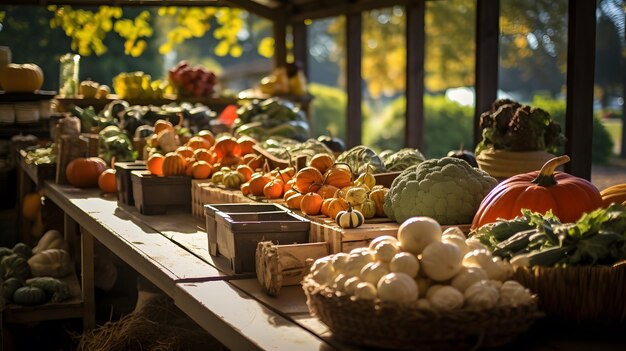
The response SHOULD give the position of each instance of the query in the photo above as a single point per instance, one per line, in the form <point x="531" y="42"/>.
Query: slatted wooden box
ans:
<point x="123" y="181"/>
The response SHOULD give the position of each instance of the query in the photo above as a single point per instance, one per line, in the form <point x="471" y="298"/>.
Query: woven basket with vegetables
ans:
<point x="425" y="289"/>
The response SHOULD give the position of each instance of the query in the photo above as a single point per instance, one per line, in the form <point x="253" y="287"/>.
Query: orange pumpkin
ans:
<point x="322" y="162"/>
<point x="256" y="162"/>
<point x="378" y="196"/>
<point x="185" y="151"/>
<point x="203" y="155"/>
<point x="273" y="189"/>
<point x="246" y="171"/>
<point x="339" y="175"/>
<point x="566" y="195"/>
<point x="326" y="205"/>
<point x="246" y="144"/>
<point x="294" y="201"/>
<point x="27" y="77"/>
<point x="288" y="193"/>
<point x="230" y="160"/>
<point x="311" y="204"/>
<point x="257" y="183"/>
<point x="201" y="170"/>
<point x="245" y="188"/>
<point x="173" y="164"/>
<point x="198" y="142"/>
<point x="31" y="205"/>
<point x="337" y="205"/>
<point x="226" y="146"/>
<point x="106" y="181"/>
<point x="208" y="136"/>
<point x="155" y="164"/>
<point x="308" y="179"/>
<point x="84" y="172"/>
<point x="327" y="191"/>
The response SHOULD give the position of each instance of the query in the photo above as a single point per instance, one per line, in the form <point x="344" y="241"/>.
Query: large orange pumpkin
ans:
<point x="173" y="164"/>
<point x="107" y="182"/>
<point x="566" y="195"/>
<point x="84" y="172"/>
<point x="311" y="204"/>
<point x="339" y="175"/>
<point x="155" y="164"/>
<point x="322" y="161"/>
<point x="21" y="78"/>
<point x="308" y="179"/>
<point x="257" y="183"/>
<point x="226" y="146"/>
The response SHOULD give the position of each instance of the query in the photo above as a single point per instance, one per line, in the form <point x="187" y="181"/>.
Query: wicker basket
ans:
<point x="387" y="325"/>
<point x="504" y="164"/>
<point x="582" y="294"/>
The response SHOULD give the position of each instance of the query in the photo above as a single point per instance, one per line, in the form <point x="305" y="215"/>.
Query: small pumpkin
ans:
<point x="207" y="135"/>
<point x="161" y="125"/>
<point x="198" y="142"/>
<point x="325" y="205"/>
<point x="273" y="189"/>
<point x="311" y="204"/>
<point x="226" y="146"/>
<point x="107" y="182"/>
<point x="308" y="179"/>
<point x="566" y="195"/>
<point x="349" y="218"/>
<point x="339" y="175"/>
<point x="246" y="144"/>
<point x="9" y="287"/>
<point x="294" y="201"/>
<point x="29" y="296"/>
<point x="31" y="205"/>
<point x="356" y="196"/>
<point x="368" y="208"/>
<point x="378" y="196"/>
<point x="327" y="191"/>
<point x="154" y="164"/>
<point x="366" y="178"/>
<point x="26" y="77"/>
<point x="245" y="188"/>
<point x="257" y="183"/>
<point x="322" y="162"/>
<point x="203" y="155"/>
<point x="337" y="205"/>
<point x="173" y="164"/>
<point x="14" y="266"/>
<point x="84" y="172"/>
<point x="201" y="170"/>
<point x="615" y="193"/>
<point x="185" y="151"/>
<point x="233" y="180"/>
<point x="54" y="263"/>
<point x="246" y="171"/>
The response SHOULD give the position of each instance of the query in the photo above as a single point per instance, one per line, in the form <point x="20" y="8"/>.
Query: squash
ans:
<point x="161" y="125"/>
<point x="107" y="181"/>
<point x="233" y="180"/>
<point x="615" y="193"/>
<point x="416" y="233"/>
<point x="327" y="191"/>
<point x="311" y="204"/>
<point x="566" y="195"/>
<point x="155" y="164"/>
<point x="323" y="162"/>
<point x="185" y="151"/>
<point x="356" y="196"/>
<point x="226" y="146"/>
<point x="337" y="205"/>
<point x="309" y="179"/>
<point x="378" y="196"/>
<point x="5" y="251"/>
<point x="294" y="201"/>
<point x="198" y="142"/>
<point x="31" y="205"/>
<point x="9" y="287"/>
<point x="23" y="250"/>
<point x="207" y="135"/>
<point x="339" y="175"/>
<point x="246" y="171"/>
<point x="88" y="89"/>
<point x="257" y="183"/>
<point x="368" y="209"/>
<point x="25" y="78"/>
<point x="52" y="239"/>
<point x="29" y="296"/>
<point x="57" y="289"/>
<point x="84" y="172"/>
<point x="349" y="218"/>
<point x="366" y="178"/>
<point x="203" y="155"/>
<point x="173" y="164"/>
<point x="273" y="189"/>
<point x="14" y="266"/>
<point x="54" y="263"/>
<point x="325" y="204"/>
<point x="201" y="170"/>
<point x="246" y="144"/>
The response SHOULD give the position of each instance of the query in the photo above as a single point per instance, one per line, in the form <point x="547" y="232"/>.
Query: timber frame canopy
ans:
<point x="294" y="13"/>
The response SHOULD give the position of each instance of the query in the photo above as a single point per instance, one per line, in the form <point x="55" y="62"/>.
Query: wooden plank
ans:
<point x="580" y="82"/>
<point x="354" y="82"/>
<point x="241" y="322"/>
<point x="415" y="42"/>
<point x="280" y="40"/>
<point x="487" y="59"/>
<point x="301" y="45"/>
<point x="331" y="8"/>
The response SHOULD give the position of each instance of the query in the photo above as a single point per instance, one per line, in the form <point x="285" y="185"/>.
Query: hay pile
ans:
<point x="155" y="326"/>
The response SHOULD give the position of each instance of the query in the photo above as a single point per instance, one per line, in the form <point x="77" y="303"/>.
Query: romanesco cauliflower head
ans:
<point x="448" y="190"/>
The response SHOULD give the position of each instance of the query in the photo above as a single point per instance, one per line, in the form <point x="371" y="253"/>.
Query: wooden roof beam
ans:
<point x="338" y="8"/>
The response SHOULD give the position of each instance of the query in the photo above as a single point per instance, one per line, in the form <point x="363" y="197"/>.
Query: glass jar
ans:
<point x="68" y="79"/>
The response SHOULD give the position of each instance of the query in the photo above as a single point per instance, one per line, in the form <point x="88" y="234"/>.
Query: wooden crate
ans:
<point x="204" y="192"/>
<point x="154" y="195"/>
<point x="38" y="173"/>
<point x="123" y="181"/>
<point x="71" y="147"/>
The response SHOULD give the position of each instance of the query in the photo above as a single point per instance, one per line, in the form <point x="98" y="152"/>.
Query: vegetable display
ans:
<point x="597" y="238"/>
<point x="433" y="275"/>
<point x="403" y="159"/>
<point x="361" y="158"/>
<point x="515" y="127"/>
<point x="447" y="189"/>
<point x="272" y="117"/>
<point x="567" y="196"/>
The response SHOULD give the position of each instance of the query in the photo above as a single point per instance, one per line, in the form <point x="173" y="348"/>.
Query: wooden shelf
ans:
<point x="70" y="308"/>
<point x="22" y="97"/>
<point x="215" y="103"/>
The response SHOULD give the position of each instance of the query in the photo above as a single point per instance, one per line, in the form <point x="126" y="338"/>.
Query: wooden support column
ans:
<point x="301" y="45"/>
<point x="354" y="80"/>
<point x="280" y="41"/>
<point x="580" y="80"/>
<point x="622" y="153"/>
<point x="415" y="40"/>
<point x="487" y="58"/>
<point x="87" y="280"/>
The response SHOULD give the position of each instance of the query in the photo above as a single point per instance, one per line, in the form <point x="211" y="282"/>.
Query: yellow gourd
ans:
<point x="27" y="77"/>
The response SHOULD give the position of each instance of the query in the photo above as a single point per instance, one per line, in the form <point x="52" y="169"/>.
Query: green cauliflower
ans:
<point x="448" y="190"/>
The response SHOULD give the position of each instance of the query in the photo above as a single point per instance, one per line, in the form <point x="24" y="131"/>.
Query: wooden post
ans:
<point x="580" y="81"/>
<point x="280" y="41"/>
<point x="354" y="79"/>
<point x="301" y="45"/>
<point x="87" y="280"/>
<point x="622" y="153"/>
<point x="415" y="39"/>
<point x="487" y="58"/>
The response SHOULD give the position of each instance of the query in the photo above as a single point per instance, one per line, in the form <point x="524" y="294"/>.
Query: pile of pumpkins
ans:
<point x="328" y="188"/>
<point x="91" y="172"/>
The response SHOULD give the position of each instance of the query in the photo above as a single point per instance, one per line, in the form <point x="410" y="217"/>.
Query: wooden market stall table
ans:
<point x="171" y="252"/>
<point x="235" y="317"/>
